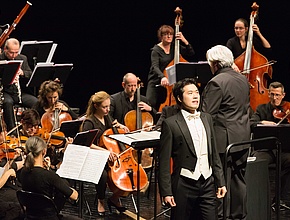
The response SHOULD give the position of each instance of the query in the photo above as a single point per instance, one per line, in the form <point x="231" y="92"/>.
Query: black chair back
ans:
<point x="37" y="206"/>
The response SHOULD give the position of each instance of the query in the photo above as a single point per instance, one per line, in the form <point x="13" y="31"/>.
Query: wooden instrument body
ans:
<point x="122" y="176"/>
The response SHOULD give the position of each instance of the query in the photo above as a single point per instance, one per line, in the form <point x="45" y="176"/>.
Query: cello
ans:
<point x="255" y="66"/>
<point x="122" y="176"/>
<point x="136" y="120"/>
<point x="177" y="58"/>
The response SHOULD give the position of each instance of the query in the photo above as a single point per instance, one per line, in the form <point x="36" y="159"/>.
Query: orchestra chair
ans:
<point x="37" y="206"/>
<point x="227" y="163"/>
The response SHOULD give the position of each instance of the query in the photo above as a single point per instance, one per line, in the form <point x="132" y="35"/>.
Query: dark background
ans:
<point x="106" y="39"/>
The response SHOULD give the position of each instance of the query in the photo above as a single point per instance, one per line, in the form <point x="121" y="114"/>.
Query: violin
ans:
<point x="55" y="138"/>
<point x="15" y="142"/>
<point x="7" y="152"/>
<point x="283" y="112"/>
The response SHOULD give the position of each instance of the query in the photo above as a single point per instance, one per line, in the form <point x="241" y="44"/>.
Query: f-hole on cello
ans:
<point x="122" y="176"/>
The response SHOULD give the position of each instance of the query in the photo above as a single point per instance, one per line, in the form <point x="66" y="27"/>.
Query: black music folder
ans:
<point x="86" y="138"/>
<point x="282" y="132"/>
<point x="37" y="51"/>
<point x="49" y="71"/>
<point x="70" y="128"/>
<point x="200" y="71"/>
<point x="8" y="70"/>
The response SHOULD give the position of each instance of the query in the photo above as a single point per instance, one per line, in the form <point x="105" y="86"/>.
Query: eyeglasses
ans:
<point x="239" y="28"/>
<point x="167" y="34"/>
<point x="275" y="95"/>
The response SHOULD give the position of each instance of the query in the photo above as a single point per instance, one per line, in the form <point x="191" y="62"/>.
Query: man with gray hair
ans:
<point x="226" y="98"/>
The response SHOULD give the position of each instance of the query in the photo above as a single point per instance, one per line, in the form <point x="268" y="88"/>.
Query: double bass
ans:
<point x="255" y="66"/>
<point x="177" y="58"/>
<point x="136" y="120"/>
<point x="122" y="176"/>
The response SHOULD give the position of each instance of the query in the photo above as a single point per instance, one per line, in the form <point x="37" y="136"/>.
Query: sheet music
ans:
<point x="171" y="72"/>
<point x="83" y="163"/>
<point x="137" y="136"/>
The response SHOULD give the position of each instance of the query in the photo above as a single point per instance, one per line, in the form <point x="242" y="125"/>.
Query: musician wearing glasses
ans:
<point x="265" y="114"/>
<point x="161" y="55"/>
<point x="16" y="93"/>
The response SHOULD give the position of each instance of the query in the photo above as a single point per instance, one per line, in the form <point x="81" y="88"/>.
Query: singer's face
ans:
<point x="191" y="98"/>
<point x="52" y="97"/>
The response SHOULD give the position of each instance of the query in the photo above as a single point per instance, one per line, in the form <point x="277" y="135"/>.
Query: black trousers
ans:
<point x="195" y="199"/>
<point x="9" y="101"/>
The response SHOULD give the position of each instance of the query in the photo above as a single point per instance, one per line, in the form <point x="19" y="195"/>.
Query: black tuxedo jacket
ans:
<point x="176" y="142"/>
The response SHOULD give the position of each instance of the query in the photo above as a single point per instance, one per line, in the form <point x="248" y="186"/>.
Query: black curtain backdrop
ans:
<point x="106" y="39"/>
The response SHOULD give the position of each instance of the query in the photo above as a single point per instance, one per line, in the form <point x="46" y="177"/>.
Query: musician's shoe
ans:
<point x="102" y="205"/>
<point x="119" y="208"/>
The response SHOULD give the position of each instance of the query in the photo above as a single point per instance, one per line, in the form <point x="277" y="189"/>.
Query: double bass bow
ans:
<point x="177" y="58"/>
<point x="255" y="66"/>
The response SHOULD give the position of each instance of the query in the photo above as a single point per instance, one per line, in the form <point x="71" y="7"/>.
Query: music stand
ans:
<point x="139" y="141"/>
<point x="86" y="138"/>
<point x="49" y="71"/>
<point x="200" y="71"/>
<point x="37" y="51"/>
<point x="281" y="132"/>
<point x="70" y="128"/>
<point x="8" y="71"/>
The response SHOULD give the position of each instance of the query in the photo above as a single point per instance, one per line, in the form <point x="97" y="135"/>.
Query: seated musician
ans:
<point x="264" y="115"/>
<point x="98" y="118"/>
<point x="37" y="177"/>
<point x="48" y="99"/>
<point x="10" y="165"/>
<point x="16" y="93"/>
<point x="30" y="122"/>
<point x="125" y="101"/>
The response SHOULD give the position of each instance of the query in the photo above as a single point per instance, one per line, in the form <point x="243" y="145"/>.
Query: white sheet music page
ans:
<point x="83" y="163"/>
<point x="137" y="136"/>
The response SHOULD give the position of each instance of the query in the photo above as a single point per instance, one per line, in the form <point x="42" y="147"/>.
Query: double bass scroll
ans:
<point x="177" y="58"/>
<point x="255" y="66"/>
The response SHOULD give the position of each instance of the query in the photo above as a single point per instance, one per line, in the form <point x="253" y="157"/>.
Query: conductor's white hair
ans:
<point x="220" y="54"/>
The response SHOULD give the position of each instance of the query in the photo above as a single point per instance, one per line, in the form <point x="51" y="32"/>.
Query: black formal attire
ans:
<point x="167" y="111"/>
<point x="235" y="46"/>
<point x="121" y="105"/>
<point x="192" y="197"/>
<point x="159" y="61"/>
<point x="226" y="98"/>
<point x="90" y="123"/>
<point x="47" y="182"/>
<point x="11" y="92"/>
<point x="265" y="112"/>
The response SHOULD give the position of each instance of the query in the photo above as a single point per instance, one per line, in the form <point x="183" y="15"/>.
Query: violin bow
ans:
<point x="285" y="116"/>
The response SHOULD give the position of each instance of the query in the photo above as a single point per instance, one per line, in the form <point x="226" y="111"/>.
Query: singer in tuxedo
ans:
<point x="188" y="138"/>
